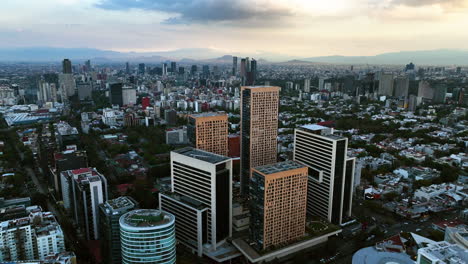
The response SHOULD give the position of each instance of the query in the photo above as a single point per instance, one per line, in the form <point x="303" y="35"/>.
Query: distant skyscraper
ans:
<point x="234" y="65"/>
<point x="67" y="66"/>
<point x="47" y="92"/>
<point x="109" y="227"/>
<point x="386" y="84"/>
<point x="321" y="84"/>
<point x="278" y="202"/>
<point x="129" y="95"/>
<point x="243" y="68"/>
<point x="440" y="93"/>
<point x="116" y="94"/>
<point x="331" y="172"/>
<point x="88" y="65"/>
<point x="307" y="85"/>
<point x="252" y="73"/>
<point x="127" y="68"/>
<point x="174" y="67"/>
<point x="259" y="129"/>
<point x="209" y="132"/>
<point x="425" y="90"/>
<point x="193" y="70"/>
<point x="141" y="69"/>
<point x="181" y="70"/>
<point x="200" y="198"/>
<point x="148" y="237"/>
<point x="164" y="69"/>
<point x="409" y="67"/>
<point x="206" y="70"/>
<point x="401" y="87"/>
<point x="67" y="84"/>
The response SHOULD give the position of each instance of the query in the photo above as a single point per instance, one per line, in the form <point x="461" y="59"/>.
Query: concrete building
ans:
<point x="129" y="95"/>
<point x="85" y="91"/>
<point x="7" y="96"/>
<point x="33" y="237"/>
<point x="401" y="87"/>
<point x="442" y="253"/>
<point x="66" y="66"/>
<point x="259" y="129"/>
<point x="70" y="159"/>
<point x="157" y="228"/>
<point x="67" y="84"/>
<point x="425" y="90"/>
<point x="386" y="84"/>
<point x="47" y="92"/>
<point x="307" y="85"/>
<point x="116" y="94"/>
<point x="200" y="198"/>
<point x="331" y="172"/>
<point x="278" y="194"/>
<point x="82" y="191"/>
<point x="209" y="132"/>
<point x="109" y="227"/>
<point x="440" y="94"/>
<point x="177" y="136"/>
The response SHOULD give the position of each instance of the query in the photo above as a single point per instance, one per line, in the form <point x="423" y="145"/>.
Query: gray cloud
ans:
<point x="196" y="11"/>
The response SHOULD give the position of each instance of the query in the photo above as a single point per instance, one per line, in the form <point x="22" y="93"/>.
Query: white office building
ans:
<point x="129" y="95"/>
<point x="83" y="190"/>
<point x="442" y="253"/>
<point x="200" y="198"/>
<point x="331" y="172"/>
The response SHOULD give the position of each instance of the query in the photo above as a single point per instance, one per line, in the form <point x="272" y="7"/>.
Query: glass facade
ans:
<point x="151" y="240"/>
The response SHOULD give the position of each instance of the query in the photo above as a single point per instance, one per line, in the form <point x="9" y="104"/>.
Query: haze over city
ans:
<point x="296" y="28"/>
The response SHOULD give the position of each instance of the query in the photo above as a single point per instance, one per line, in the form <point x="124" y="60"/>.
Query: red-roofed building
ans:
<point x="392" y="244"/>
<point x="441" y="226"/>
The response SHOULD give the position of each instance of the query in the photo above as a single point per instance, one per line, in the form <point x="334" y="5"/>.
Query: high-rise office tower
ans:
<point x="181" y="70"/>
<point x="386" y="84"/>
<point x="425" y="91"/>
<point x="47" y="92"/>
<point x="127" y="67"/>
<point x="88" y="65"/>
<point x="401" y="87"/>
<point x="66" y="66"/>
<point x="278" y="202"/>
<point x="200" y="198"/>
<point x="251" y="72"/>
<point x="331" y="172"/>
<point x="243" y="68"/>
<point x="307" y="85"/>
<point x="234" y="65"/>
<point x="440" y="93"/>
<point x="173" y="67"/>
<point x="259" y="129"/>
<point x="193" y="70"/>
<point x="67" y="84"/>
<point x="164" y="69"/>
<point x="83" y="190"/>
<point x="141" y="68"/>
<point x="148" y="236"/>
<point x="116" y="94"/>
<point x="33" y="237"/>
<point x="109" y="227"/>
<point x="206" y="70"/>
<point x="209" y="132"/>
<point x="129" y="95"/>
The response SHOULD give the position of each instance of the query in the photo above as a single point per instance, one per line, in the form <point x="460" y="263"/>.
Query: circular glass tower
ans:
<point x="148" y="236"/>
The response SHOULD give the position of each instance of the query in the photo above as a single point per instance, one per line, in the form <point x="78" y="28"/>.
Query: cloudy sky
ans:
<point x="295" y="27"/>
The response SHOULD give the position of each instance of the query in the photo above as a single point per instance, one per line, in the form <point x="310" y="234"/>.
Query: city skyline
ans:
<point x="306" y="28"/>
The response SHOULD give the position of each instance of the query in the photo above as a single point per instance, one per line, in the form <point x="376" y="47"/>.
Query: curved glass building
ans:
<point x="148" y="236"/>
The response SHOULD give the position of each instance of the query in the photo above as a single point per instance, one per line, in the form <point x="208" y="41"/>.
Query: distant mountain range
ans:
<point x="50" y="54"/>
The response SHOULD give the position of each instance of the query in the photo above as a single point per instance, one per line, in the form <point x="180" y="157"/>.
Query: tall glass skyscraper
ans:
<point x="148" y="236"/>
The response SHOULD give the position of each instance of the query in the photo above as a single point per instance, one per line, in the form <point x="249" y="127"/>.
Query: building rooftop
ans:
<point x="119" y="204"/>
<point x="446" y="253"/>
<point x="201" y="155"/>
<point x="314" y="127"/>
<point x="144" y="218"/>
<point x="209" y="114"/>
<point x="279" y="167"/>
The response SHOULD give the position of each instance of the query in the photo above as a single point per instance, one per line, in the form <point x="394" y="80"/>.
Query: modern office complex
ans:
<point x="109" y="227"/>
<point x="148" y="236"/>
<point x="82" y="191"/>
<point x="278" y="202"/>
<point x="209" y="132"/>
<point x="331" y="172"/>
<point x="116" y="94"/>
<point x="386" y="84"/>
<point x="33" y="237"/>
<point x="259" y="129"/>
<point x="200" y="198"/>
